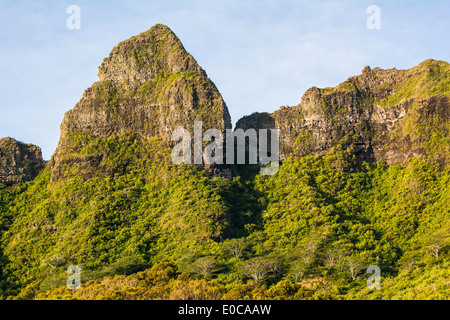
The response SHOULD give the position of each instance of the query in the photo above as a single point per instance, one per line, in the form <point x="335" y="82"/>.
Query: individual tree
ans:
<point x="307" y="251"/>
<point x="55" y="261"/>
<point x="236" y="247"/>
<point x="334" y="257"/>
<point x="354" y="266"/>
<point x="297" y="270"/>
<point x="259" y="268"/>
<point x="204" y="266"/>
<point x="436" y="243"/>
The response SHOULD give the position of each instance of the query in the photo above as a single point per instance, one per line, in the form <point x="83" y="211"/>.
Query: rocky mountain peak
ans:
<point x="149" y="86"/>
<point x="145" y="56"/>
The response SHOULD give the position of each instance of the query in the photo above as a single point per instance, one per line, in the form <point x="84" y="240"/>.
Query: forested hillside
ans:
<point x="364" y="180"/>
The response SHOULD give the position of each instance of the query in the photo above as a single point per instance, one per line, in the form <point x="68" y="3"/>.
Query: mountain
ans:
<point x="149" y="86"/>
<point x="19" y="162"/>
<point x="364" y="180"/>
<point x="387" y="115"/>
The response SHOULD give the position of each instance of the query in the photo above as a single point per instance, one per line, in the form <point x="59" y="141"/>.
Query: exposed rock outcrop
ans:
<point x="149" y="86"/>
<point x="389" y="115"/>
<point x="19" y="162"/>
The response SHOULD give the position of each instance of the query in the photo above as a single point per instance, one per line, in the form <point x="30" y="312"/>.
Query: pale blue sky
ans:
<point x="261" y="54"/>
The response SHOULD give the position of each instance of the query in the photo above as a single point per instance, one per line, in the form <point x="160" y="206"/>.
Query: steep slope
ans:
<point x="19" y="162"/>
<point x="113" y="203"/>
<point x="388" y="115"/>
<point x="149" y="86"/>
<point x="110" y="197"/>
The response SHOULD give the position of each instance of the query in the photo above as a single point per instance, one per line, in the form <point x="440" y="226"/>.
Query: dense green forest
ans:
<point x="363" y="185"/>
<point x="143" y="228"/>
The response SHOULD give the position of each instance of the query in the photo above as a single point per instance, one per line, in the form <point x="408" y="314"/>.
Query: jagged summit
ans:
<point x="427" y="78"/>
<point x="147" y="55"/>
<point x="149" y="86"/>
<point x="389" y="115"/>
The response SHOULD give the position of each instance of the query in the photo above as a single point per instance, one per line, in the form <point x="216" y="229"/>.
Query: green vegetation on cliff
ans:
<point x="364" y="180"/>
<point x="429" y="78"/>
<point x="312" y="229"/>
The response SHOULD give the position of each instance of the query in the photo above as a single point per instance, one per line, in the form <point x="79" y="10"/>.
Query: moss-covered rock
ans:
<point x="19" y="162"/>
<point x="389" y="115"/>
<point x="149" y="86"/>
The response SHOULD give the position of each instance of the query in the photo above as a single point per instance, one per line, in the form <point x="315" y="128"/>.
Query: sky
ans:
<point x="261" y="54"/>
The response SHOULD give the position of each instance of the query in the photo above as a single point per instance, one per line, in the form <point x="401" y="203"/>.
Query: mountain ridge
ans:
<point x="363" y="115"/>
<point x="364" y="181"/>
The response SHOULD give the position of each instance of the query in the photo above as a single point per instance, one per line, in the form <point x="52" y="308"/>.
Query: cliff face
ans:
<point x="149" y="85"/>
<point x="19" y="162"/>
<point x="389" y="115"/>
<point x="132" y="208"/>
